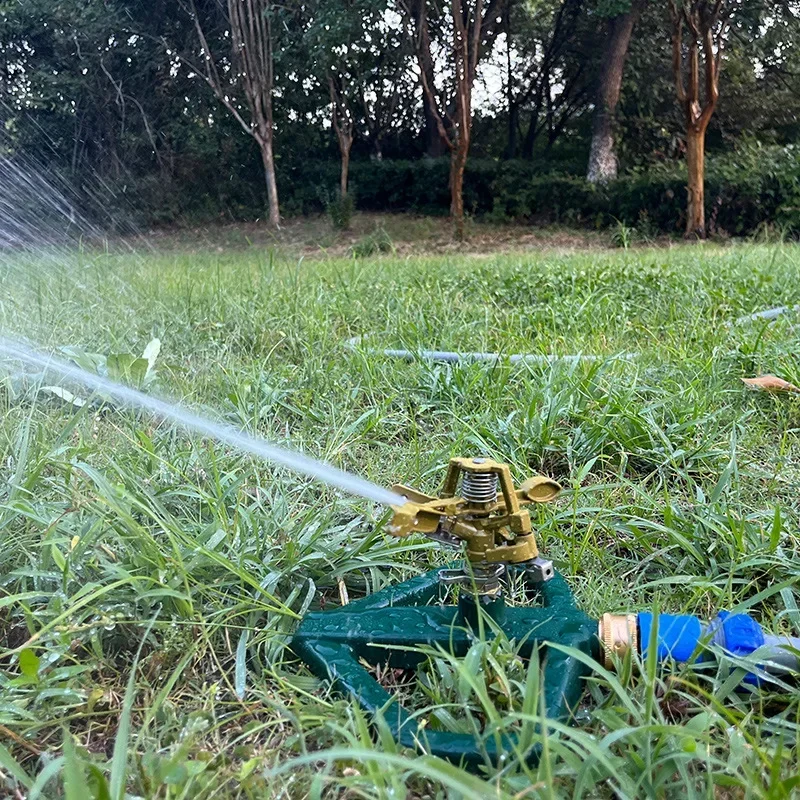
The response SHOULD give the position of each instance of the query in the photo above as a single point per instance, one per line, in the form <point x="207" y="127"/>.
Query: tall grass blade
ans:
<point x="119" y="758"/>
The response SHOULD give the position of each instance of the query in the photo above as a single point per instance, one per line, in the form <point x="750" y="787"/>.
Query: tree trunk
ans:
<point x="345" y="148"/>
<point x="434" y="146"/>
<point x="458" y="163"/>
<point x="265" y="144"/>
<point x="513" y="128"/>
<point x="531" y="136"/>
<point x="702" y="23"/>
<point x="513" y="106"/>
<point x="695" y="161"/>
<point x="603" y="162"/>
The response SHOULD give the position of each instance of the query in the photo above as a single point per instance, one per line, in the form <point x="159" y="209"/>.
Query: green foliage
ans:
<point x="520" y="193"/>
<point x="91" y="96"/>
<point x="612" y="8"/>
<point x="102" y="95"/>
<point x="29" y="664"/>
<point x="355" y="44"/>
<point x="373" y="243"/>
<point x="340" y="211"/>
<point x="745" y="189"/>
<point x="623" y="235"/>
<point x="127" y="368"/>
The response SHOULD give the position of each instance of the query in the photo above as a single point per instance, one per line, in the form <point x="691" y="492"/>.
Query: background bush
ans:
<point x="752" y="187"/>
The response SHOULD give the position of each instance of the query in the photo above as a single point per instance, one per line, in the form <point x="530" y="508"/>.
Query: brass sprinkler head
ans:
<point x="481" y="507"/>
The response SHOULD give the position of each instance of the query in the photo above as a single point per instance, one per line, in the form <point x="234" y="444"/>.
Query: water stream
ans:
<point x="39" y="224"/>
<point x="192" y="421"/>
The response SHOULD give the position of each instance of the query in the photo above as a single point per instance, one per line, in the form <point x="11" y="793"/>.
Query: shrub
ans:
<point x="623" y="235"/>
<point x="521" y="194"/>
<point x="746" y="189"/>
<point x="340" y="210"/>
<point x="373" y="243"/>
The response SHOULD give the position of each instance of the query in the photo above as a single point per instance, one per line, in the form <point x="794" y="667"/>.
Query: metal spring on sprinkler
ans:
<point x="479" y="487"/>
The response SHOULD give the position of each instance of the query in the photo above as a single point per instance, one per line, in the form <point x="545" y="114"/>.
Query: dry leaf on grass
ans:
<point x="771" y="383"/>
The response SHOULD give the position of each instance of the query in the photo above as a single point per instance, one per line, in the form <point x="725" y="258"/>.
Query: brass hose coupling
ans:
<point x="619" y="633"/>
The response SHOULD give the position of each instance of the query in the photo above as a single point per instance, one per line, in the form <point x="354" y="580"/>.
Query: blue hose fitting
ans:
<point x="680" y="637"/>
<point x="677" y="635"/>
<point x="683" y="637"/>
<point x="737" y="634"/>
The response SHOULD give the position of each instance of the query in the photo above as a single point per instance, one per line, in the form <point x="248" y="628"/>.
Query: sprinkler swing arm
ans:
<point x="487" y="517"/>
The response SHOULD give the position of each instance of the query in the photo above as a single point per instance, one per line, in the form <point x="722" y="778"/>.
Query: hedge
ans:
<point x="754" y="186"/>
<point x="745" y="189"/>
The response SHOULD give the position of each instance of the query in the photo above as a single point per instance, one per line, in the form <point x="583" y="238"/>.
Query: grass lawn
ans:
<point x="125" y="538"/>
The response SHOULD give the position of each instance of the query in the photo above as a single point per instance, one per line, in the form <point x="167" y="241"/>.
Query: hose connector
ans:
<point x="618" y="633"/>
<point x="682" y="638"/>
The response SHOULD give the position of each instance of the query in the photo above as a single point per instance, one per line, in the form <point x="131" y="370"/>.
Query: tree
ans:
<point x="697" y="25"/>
<point x="343" y="125"/>
<point x="360" y="59"/>
<point x="549" y="65"/>
<point x="86" y="91"/>
<point x="475" y="24"/>
<point x="762" y="74"/>
<point x="603" y="163"/>
<point x="249" y="71"/>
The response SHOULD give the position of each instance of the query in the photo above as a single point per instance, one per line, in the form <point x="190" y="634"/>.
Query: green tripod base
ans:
<point x="385" y="627"/>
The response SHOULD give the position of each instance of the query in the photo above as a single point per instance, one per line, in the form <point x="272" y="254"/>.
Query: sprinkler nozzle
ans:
<point x="480" y="507"/>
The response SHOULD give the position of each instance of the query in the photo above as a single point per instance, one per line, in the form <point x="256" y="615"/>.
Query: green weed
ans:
<point x="373" y="244"/>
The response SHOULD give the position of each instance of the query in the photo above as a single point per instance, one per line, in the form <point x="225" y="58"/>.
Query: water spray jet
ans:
<point x="191" y="421"/>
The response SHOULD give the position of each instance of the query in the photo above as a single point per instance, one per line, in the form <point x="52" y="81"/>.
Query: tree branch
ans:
<point x="677" y="46"/>
<point x="419" y="24"/>
<point x="712" y="76"/>
<point x="211" y="75"/>
<point x="475" y="46"/>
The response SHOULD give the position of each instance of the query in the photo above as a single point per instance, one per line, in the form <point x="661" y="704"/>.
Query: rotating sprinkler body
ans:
<point x="482" y="511"/>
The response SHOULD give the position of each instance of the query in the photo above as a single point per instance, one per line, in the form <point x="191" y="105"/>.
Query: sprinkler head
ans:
<point x="481" y="509"/>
